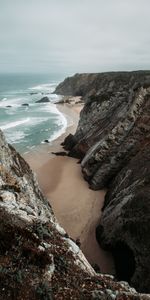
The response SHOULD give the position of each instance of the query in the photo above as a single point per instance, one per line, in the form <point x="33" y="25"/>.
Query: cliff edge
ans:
<point x="38" y="260"/>
<point x="113" y="142"/>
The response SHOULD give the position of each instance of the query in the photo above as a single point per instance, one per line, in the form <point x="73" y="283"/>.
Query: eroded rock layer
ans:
<point x="125" y="222"/>
<point x="113" y="142"/>
<point x="37" y="258"/>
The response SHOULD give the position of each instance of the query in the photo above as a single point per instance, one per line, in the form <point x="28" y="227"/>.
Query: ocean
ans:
<point x="25" y="127"/>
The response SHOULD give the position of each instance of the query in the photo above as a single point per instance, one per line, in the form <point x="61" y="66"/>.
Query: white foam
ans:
<point x="37" y="120"/>
<point x="15" y="137"/>
<point x="14" y="102"/>
<point x="17" y="130"/>
<point x="48" y="87"/>
<point x="61" y="121"/>
<point x="55" y="98"/>
<point x="49" y="107"/>
<point x="14" y="124"/>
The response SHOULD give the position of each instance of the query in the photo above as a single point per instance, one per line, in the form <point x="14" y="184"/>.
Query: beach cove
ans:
<point x="76" y="207"/>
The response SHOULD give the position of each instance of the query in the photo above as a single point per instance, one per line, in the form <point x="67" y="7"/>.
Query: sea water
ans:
<point x="26" y="127"/>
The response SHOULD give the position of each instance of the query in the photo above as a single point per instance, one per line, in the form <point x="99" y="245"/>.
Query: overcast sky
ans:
<point x="74" y="35"/>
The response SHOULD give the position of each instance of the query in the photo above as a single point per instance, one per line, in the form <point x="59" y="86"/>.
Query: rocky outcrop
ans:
<point x="125" y="222"/>
<point x="113" y="142"/>
<point x="43" y="100"/>
<point x="38" y="260"/>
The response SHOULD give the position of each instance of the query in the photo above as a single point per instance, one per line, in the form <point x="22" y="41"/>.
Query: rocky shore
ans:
<point x="113" y="143"/>
<point x="38" y="259"/>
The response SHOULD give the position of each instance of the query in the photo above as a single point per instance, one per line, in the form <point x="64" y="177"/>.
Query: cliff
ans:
<point x="38" y="260"/>
<point x="113" y="142"/>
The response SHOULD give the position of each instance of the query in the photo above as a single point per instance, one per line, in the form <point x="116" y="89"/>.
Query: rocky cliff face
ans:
<point x="113" y="142"/>
<point x="37" y="258"/>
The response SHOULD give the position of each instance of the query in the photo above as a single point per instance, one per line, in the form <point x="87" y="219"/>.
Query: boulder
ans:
<point x="25" y="104"/>
<point x="46" y="141"/>
<point x="43" y="100"/>
<point x="60" y="153"/>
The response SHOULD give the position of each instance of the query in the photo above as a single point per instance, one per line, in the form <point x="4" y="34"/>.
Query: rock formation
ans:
<point x="113" y="142"/>
<point x="43" y="100"/>
<point x="37" y="258"/>
<point x="25" y="104"/>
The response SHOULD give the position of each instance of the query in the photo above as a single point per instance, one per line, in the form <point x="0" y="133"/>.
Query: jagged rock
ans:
<point x="37" y="258"/>
<point x="69" y="142"/>
<point x="43" y="100"/>
<point x="125" y="222"/>
<point x="78" y="85"/>
<point x="113" y="94"/>
<point x="113" y="141"/>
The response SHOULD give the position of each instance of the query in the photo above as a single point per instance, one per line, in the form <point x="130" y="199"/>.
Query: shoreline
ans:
<point x="76" y="207"/>
<point x="42" y="153"/>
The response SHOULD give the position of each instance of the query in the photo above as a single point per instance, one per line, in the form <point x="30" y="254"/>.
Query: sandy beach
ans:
<point x="76" y="207"/>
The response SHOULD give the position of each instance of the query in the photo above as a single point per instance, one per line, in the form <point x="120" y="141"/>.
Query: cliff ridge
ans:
<point x="112" y="141"/>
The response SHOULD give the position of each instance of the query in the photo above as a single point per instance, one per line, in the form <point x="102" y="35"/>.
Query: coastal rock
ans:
<point x="43" y="100"/>
<point x="38" y="260"/>
<point x="70" y="100"/>
<point x="33" y="93"/>
<point x="125" y="221"/>
<point x="46" y="141"/>
<point x="60" y="153"/>
<point x="78" y="85"/>
<point x="25" y="104"/>
<point x="113" y="141"/>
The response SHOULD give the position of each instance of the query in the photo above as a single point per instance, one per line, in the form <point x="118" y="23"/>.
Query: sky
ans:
<point x="70" y="36"/>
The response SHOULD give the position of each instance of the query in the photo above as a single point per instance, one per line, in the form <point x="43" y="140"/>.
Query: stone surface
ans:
<point x="125" y="222"/>
<point x="113" y="142"/>
<point x="37" y="258"/>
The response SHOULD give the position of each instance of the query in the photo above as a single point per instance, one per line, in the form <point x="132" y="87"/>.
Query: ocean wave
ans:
<point x="14" y="102"/>
<point x="49" y="108"/>
<point x="37" y="120"/>
<point x="57" y="134"/>
<point x="14" y="124"/>
<point x="60" y="121"/>
<point x="54" y="98"/>
<point x="15" y="136"/>
<point x="25" y="128"/>
<point x="4" y="99"/>
<point x="47" y="87"/>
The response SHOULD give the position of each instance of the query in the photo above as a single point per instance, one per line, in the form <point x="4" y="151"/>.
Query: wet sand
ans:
<point x="76" y="207"/>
